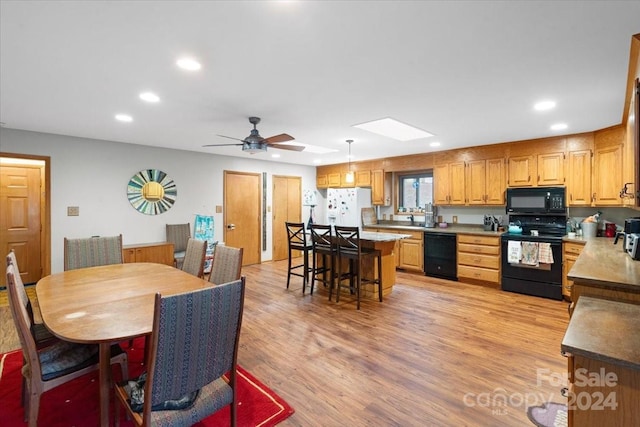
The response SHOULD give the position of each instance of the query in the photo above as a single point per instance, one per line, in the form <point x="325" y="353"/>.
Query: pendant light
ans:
<point x="349" y="178"/>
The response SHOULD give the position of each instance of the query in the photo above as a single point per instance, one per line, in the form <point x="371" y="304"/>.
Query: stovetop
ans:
<point x="530" y="238"/>
<point x="550" y="228"/>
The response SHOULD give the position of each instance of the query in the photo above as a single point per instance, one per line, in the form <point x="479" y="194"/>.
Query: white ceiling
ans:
<point x="469" y="72"/>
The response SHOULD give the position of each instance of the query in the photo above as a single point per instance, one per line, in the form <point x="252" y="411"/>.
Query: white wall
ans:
<point x="93" y="175"/>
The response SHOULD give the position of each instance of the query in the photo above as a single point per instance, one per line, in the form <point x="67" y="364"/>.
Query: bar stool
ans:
<point x="350" y="248"/>
<point x="297" y="241"/>
<point x="323" y="245"/>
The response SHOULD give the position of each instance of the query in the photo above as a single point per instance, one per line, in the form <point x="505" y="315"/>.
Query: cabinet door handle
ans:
<point x="564" y="392"/>
<point x="529" y="178"/>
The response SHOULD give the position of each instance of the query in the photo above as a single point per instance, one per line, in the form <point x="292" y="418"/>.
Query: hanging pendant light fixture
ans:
<point x="350" y="176"/>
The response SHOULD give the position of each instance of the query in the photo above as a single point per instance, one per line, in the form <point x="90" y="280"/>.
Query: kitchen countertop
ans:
<point x="601" y="329"/>
<point x="451" y="228"/>
<point x="603" y="264"/>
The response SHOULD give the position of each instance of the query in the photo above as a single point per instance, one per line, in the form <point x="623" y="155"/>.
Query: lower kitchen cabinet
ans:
<point x="411" y="251"/>
<point x="570" y="253"/>
<point x="159" y="253"/>
<point x="479" y="258"/>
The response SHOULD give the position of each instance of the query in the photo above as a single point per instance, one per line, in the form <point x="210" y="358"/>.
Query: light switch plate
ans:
<point x="73" y="210"/>
<point x="218" y="209"/>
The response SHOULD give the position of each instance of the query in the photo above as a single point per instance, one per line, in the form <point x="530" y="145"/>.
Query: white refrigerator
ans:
<point x="344" y="206"/>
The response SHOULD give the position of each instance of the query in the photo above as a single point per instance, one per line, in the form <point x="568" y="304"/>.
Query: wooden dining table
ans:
<point x="108" y="304"/>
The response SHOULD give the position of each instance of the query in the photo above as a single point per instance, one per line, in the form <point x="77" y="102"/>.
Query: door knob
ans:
<point x="231" y="226"/>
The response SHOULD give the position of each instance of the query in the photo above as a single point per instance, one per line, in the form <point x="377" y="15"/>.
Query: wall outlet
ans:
<point x="455" y="219"/>
<point x="73" y="210"/>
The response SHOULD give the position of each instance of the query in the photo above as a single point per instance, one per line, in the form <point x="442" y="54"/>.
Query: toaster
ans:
<point x="633" y="245"/>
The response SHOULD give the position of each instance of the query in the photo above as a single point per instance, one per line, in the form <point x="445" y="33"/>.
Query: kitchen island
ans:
<point x="385" y="243"/>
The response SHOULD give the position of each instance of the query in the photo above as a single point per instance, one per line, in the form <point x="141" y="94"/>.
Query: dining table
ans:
<point x="108" y="304"/>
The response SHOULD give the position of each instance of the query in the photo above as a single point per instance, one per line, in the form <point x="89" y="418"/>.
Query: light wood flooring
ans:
<point x="434" y="353"/>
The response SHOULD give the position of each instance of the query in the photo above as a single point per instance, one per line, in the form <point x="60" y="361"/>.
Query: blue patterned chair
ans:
<point x="53" y="365"/>
<point x="92" y="251"/>
<point x="194" y="343"/>
<point x="194" y="257"/>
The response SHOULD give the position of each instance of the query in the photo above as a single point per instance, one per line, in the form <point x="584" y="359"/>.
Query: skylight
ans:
<point x="394" y="129"/>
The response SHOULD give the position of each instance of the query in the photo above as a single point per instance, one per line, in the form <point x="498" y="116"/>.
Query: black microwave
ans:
<point x="536" y="200"/>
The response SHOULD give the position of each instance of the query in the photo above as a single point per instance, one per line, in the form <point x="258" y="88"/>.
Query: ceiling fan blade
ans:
<point x="287" y="147"/>
<point x="230" y="137"/>
<point x="221" y="145"/>
<point x="283" y="137"/>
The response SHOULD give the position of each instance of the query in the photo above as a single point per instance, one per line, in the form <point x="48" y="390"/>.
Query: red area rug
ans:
<point x="76" y="403"/>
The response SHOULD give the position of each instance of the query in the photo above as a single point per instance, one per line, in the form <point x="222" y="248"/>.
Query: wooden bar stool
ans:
<point x="323" y="245"/>
<point x="297" y="241"/>
<point x="349" y="249"/>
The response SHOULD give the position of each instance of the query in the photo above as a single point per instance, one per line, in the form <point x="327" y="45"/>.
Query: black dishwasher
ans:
<point x="440" y="255"/>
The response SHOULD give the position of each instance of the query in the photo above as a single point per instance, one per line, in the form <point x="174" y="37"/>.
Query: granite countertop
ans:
<point x="451" y="228"/>
<point x="382" y="237"/>
<point x="603" y="264"/>
<point x="604" y="330"/>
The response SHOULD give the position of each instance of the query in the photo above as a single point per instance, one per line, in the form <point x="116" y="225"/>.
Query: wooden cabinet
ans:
<point x="570" y="253"/>
<point x="607" y="177"/>
<point x="522" y="170"/>
<point x="579" y="178"/>
<point x="160" y="253"/>
<point x="550" y="169"/>
<point x="411" y="251"/>
<point x="449" y="184"/>
<point x="380" y="187"/>
<point x="363" y="178"/>
<point x="485" y="182"/>
<point x="322" y="181"/>
<point x="478" y="258"/>
<point x="333" y="180"/>
<point x="343" y="180"/>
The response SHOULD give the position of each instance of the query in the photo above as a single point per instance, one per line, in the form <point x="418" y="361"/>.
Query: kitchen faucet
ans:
<point x="411" y="218"/>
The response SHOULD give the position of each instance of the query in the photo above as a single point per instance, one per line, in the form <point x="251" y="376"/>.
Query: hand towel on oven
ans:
<point x="530" y="253"/>
<point x="545" y="255"/>
<point x="514" y="252"/>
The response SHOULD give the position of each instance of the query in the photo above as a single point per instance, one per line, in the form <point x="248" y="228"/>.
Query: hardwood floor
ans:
<point x="408" y="361"/>
<point x="434" y="353"/>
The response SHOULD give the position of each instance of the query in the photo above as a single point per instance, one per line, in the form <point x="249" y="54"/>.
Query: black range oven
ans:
<point x="532" y="264"/>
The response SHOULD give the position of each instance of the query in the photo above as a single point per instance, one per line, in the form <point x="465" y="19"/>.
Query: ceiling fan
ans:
<point x="254" y="143"/>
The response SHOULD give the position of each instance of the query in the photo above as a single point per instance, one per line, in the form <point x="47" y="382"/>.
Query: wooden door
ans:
<point x="579" y="178"/>
<point x="21" y="218"/>
<point x="242" y="209"/>
<point x="287" y="206"/>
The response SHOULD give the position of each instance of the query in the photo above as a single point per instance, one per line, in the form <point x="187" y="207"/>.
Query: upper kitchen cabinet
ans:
<point x="334" y="179"/>
<point x="550" y="169"/>
<point x="608" y="170"/>
<point x="579" y="178"/>
<point x="363" y="178"/>
<point x="448" y="183"/>
<point x="485" y="182"/>
<point x="380" y="187"/>
<point x="522" y="171"/>
<point x="322" y="181"/>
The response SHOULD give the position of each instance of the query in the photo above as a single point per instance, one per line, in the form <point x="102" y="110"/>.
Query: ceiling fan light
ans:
<point x="254" y="147"/>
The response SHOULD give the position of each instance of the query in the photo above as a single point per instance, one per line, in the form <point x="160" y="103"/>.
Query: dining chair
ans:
<point x="56" y="364"/>
<point x="297" y="241"/>
<point x="194" y="257"/>
<point x="350" y="249"/>
<point x="324" y="246"/>
<point x="194" y="343"/>
<point x="179" y="235"/>
<point x="226" y="265"/>
<point x="92" y="251"/>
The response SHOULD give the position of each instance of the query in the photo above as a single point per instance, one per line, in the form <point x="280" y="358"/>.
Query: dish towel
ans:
<point x="514" y="252"/>
<point x="545" y="255"/>
<point x="530" y="253"/>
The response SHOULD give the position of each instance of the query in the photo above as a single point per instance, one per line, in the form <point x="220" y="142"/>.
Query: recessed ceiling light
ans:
<point x="188" y="64"/>
<point x="559" y="126"/>
<point x="124" y="118"/>
<point x="317" y="161"/>
<point x="275" y="156"/>
<point x="394" y="129"/>
<point x="434" y="144"/>
<point x="149" y="97"/>
<point x="544" y="105"/>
